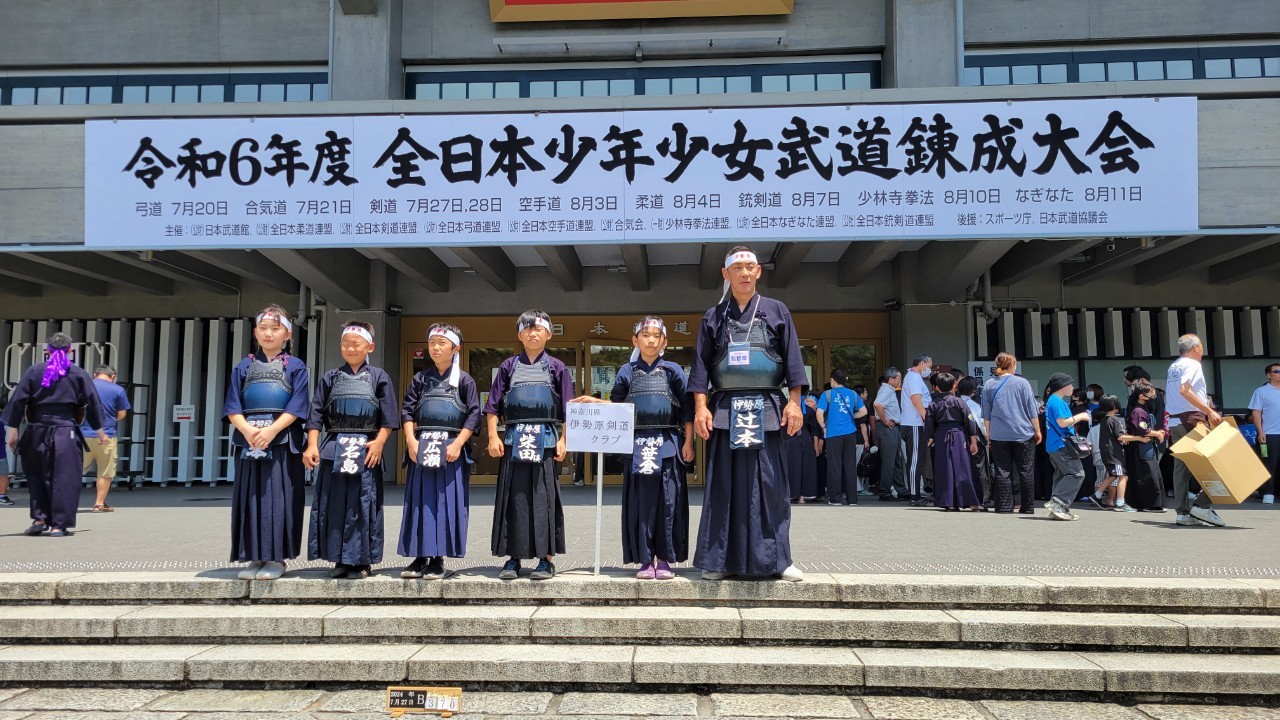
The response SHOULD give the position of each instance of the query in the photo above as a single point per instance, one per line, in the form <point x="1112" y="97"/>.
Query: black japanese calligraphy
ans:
<point x="625" y="152"/>
<point x="798" y="144"/>
<point x="513" y="155"/>
<point x="685" y="150"/>
<point x="872" y="152"/>
<point x="1119" y="155"/>
<point x="152" y="161"/>
<point x="571" y="155"/>
<point x="740" y="155"/>
<point x="405" y="170"/>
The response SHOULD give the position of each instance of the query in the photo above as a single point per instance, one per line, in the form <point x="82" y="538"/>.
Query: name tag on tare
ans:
<point x="739" y="357"/>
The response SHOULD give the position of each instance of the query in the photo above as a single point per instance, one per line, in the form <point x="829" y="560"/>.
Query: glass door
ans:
<point x="482" y="364"/>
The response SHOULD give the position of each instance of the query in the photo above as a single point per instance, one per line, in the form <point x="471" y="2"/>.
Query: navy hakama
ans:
<point x="51" y="446"/>
<point x="746" y="509"/>
<point x="436" y="509"/>
<point x="268" y="497"/>
<point x="437" y="500"/>
<point x="802" y="460"/>
<point x="528" y="518"/>
<point x="346" y="508"/>
<point x="267" y="503"/>
<point x="951" y="425"/>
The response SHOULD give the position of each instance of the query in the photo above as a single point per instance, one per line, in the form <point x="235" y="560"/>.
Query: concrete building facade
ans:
<point x="1086" y="304"/>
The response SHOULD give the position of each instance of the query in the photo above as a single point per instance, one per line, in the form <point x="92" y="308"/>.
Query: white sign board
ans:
<point x="184" y="413"/>
<point x="600" y="427"/>
<point x="1043" y="168"/>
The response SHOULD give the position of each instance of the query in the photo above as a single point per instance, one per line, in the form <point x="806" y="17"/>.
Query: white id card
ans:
<point x="739" y="357"/>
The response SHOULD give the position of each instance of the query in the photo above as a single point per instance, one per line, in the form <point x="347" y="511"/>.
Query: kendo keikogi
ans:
<point x="268" y="495"/>
<point x="655" y="496"/>
<point x="437" y="493"/>
<point x="54" y="397"/>
<point x="528" y="394"/>
<point x="351" y="407"/>
<point x="747" y="349"/>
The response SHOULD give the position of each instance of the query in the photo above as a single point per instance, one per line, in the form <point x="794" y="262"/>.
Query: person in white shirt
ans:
<point x="1265" y="407"/>
<point x="889" y="439"/>
<point x="915" y="405"/>
<point x="1188" y="406"/>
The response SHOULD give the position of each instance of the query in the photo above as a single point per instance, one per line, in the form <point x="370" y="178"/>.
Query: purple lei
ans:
<point x="57" y="367"/>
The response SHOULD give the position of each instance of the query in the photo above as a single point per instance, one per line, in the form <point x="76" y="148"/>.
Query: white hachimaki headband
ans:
<point x="358" y="331"/>
<point x="278" y="318"/>
<point x="539" y="322"/>
<point x="653" y="323"/>
<point x="741" y="256"/>
<point x="455" y="372"/>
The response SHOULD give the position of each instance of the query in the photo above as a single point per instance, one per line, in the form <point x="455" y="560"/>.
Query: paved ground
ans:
<point x="188" y="528"/>
<point x="142" y="704"/>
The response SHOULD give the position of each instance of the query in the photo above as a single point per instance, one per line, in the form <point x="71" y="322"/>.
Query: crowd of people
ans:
<point x="927" y="438"/>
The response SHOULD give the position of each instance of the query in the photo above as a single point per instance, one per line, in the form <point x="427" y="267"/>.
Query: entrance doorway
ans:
<point x="596" y="346"/>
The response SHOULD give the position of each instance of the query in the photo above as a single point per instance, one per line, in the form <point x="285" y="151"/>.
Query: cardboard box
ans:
<point x="1222" y="461"/>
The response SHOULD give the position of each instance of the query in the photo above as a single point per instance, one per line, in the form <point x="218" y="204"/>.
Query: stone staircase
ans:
<point x="1099" y="638"/>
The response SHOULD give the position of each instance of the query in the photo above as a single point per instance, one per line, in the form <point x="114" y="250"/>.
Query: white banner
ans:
<point x="1124" y="166"/>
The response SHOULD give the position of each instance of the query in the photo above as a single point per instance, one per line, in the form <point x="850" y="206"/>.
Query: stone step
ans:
<point x="1135" y="595"/>
<point x="670" y="625"/>
<point x="57" y="703"/>
<point x="620" y="666"/>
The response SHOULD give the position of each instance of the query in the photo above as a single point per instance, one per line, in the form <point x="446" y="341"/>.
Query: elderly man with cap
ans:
<point x="747" y="349"/>
<point x="54" y="397"/>
<point x="1068" y="472"/>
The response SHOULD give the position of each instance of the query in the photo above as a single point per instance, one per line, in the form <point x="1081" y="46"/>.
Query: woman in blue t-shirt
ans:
<point x="1068" y="472"/>
<point x="838" y="411"/>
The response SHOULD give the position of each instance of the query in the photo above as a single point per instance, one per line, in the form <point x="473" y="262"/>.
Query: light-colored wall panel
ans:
<point x="121" y="33"/>
<point x="999" y="22"/>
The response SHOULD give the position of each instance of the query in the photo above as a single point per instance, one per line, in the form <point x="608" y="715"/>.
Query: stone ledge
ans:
<point x="317" y="586"/>
<point x="1172" y="593"/>
<point x="81" y="663"/>
<point x="941" y="589"/>
<point x="566" y="586"/>
<point x="483" y="621"/>
<point x="1253" y="631"/>
<point x="129" y="586"/>
<point x="637" y="622"/>
<point x="1069" y="628"/>
<point x="222" y="621"/>
<point x="979" y="669"/>
<point x="61" y="621"/>
<point x="302" y="663"/>
<point x="32" y="586"/>
<point x="522" y="663"/>
<point x="807" y="666"/>
<point x="689" y="586"/>
<point x="854" y="625"/>
<point x="1182" y="673"/>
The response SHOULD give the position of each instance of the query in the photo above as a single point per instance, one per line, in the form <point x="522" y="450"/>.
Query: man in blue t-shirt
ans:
<point x="115" y="405"/>
<point x="838" y="409"/>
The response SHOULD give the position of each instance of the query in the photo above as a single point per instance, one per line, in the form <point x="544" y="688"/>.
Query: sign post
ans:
<point x="599" y="428"/>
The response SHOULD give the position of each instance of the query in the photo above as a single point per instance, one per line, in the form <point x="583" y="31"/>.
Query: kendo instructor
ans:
<point x="54" y="397"/>
<point x="747" y="350"/>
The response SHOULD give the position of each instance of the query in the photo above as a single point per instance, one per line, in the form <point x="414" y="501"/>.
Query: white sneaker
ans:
<point x="250" y="572"/>
<point x="270" y="571"/>
<point x="708" y="575"/>
<point x="792" y="574"/>
<point x="1186" y="520"/>
<point x="1268" y="499"/>
<point x="1063" y="515"/>
<point x="1207" y="515"/>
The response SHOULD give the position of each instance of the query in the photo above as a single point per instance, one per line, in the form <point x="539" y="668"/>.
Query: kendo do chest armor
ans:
<point x="764" y="369"/>
<point x="656" y="406"/>
<point x="439" y="408"/>
<point x="353" y="404"/>
<point x="532" y="397"/>
<point x="266" y="387"/>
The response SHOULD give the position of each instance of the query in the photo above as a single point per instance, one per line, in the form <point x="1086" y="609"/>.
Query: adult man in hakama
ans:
<point x="747" y="349"/>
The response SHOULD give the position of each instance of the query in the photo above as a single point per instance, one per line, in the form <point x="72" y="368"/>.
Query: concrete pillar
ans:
<point x="366" y="54"/>
<point x="920" y="44"/>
